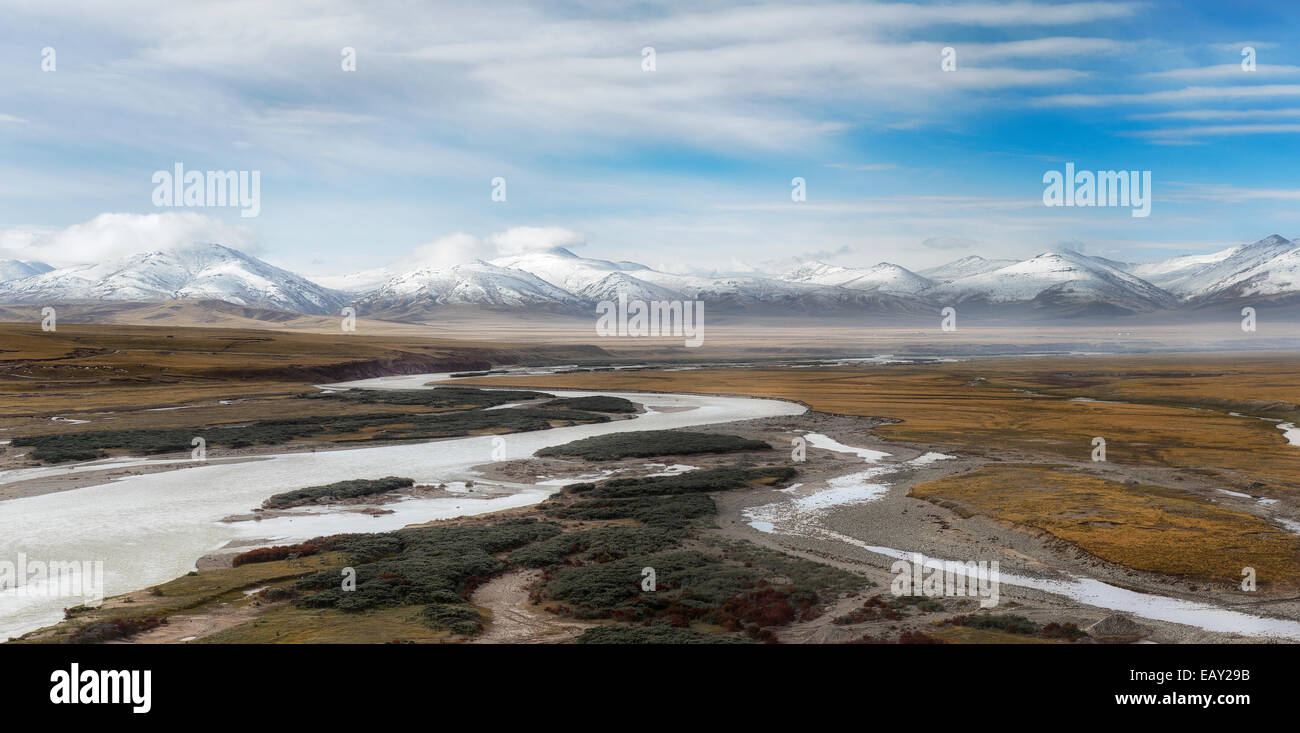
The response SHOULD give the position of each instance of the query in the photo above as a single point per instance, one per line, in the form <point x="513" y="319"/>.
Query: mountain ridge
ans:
<point x="1059" y="283"/>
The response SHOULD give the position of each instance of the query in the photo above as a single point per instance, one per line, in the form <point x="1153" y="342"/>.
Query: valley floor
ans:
<point x="983" y="459"/>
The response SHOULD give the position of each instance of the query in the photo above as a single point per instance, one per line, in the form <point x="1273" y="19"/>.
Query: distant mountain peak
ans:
<point x="198" y="271"/>
<point x="1061" y="281"/>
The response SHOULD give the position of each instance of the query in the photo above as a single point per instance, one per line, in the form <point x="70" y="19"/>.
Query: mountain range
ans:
<point x="1052" y="284"/>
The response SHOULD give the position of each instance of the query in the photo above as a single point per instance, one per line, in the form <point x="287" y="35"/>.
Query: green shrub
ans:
<point x="715" y="479"/>
<point x="657" y="634"/>
<point x="436" y="397"/>
<point x="459" y="619"/>
<point x="419" y="566"/>
<point x="594" y="403"/>
<point x="1008" y="622"/>
<point x="601" y="544"/>
<point x="337" y="491"/>
<point x="646" y="443"/>
<point x="413" y="426"/>
<point x="665" y="512"/>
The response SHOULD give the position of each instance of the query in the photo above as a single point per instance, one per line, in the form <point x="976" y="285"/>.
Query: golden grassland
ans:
<point x="1178" y="418"/>
<point x="1140" y="526"/>
<point x="79" y="370"/>
<point x="990" y="405"/>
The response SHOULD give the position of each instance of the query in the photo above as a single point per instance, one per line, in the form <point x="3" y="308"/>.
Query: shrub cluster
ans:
<point x="709" y="480"/>
<point x="646" y="443"/>
<point x="594" y="403"/>
<point x="1008" y="622"/>
<point x="601" y="544"/>
<point x="665" y="512"/>
<point x="114" y="628"/>
<point x="655" y="634"/>
<point x="436" y="397"/>
<point x="337" y="491"/>
<point x="391" y="426"/>
<point x="281" y="552"/>
<point x="433" y="566"/>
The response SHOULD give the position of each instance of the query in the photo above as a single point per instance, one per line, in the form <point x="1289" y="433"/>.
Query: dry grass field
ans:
<point x="1141" y="526"/>
<point x="1175" y="415"/>
<point x="118" y="377"/>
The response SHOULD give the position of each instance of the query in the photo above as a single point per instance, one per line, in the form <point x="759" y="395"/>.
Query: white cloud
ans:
<point x="863" y="166"/>
<point x="1224" y="71"/>
<point x="110" y="236"/>
<point x="1217" y="130"/>
<point x="1219" y="114"/>
<point x="520" y="240"/>
<point x="460" y="248"/>
<point x="1187" y="94"/>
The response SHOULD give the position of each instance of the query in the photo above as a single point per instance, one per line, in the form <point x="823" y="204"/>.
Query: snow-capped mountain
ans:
<point x="884" y="277"/>
<point x="1063" y="281"/>
<point x="17" y="269"/>
<point x="356" y="283"/>
<point x="593" y="280"/>
<point x="1266" y="269"/>
<point x="1058" y="283"/>
<point x="964" y="267"/>
<point x="565" y="270"/>
<point x="616" y="283"/>
<point x="201" y="271"/>
<point x="477" y="284"/>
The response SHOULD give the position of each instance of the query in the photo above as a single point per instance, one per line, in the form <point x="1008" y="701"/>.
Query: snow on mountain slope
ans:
<point x="563" y="269"/>
<point x="1065" y="282"/>
<point x="362" y="281"/>
<point x="609" y="287"/>
<point x="202" y="271"/>
<point x="964" y="267"/>
<point x="17" y="269"/>
<point x="1059" y="280"/>
<point x="770" y="295"/>
<point x="1166" y="273"/>
<point x="883" y="277"/>
<point x="478" y="283"/>
<point x="1269" y="267"/>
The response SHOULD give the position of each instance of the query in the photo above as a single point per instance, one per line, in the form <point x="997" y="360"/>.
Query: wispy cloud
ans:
<point x="1224" y="71"/>
<point x="863" y="166"/>
<point x="1219" y="114"/>
<point x="1217" y="130"/>
<point x="1187" y="94"/>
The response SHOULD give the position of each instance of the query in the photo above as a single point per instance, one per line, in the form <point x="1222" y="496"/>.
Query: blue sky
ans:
<point x="685" y="167"/>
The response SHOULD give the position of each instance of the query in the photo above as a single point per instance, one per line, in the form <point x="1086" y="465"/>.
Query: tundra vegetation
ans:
<point x="457" y="397"/>
<point x="337" y="491"/>
<point x="417" y="583"/>
<point x="88" y="445"/>
<point x="594" y="403"/>
<point x="646" y="443"/>
<point x="1172" y="413"/>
